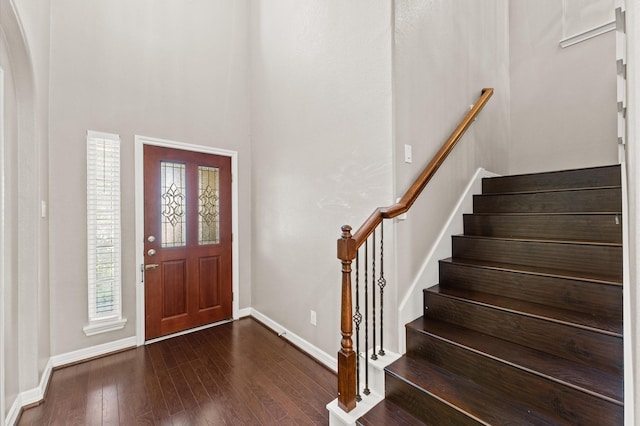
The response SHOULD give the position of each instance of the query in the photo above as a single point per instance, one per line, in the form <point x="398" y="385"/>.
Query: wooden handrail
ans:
<point x="348" y="246"/>
<point x="421" y="181"/>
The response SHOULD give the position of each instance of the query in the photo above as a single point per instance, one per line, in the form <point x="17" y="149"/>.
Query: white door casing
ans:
<point x="140" y="141"/>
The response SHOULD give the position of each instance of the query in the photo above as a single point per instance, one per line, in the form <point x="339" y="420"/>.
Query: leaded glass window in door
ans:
<point x="173" y="208"/>
<point x="209" y="205"/>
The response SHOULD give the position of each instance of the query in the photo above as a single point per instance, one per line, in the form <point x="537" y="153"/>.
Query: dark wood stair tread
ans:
<point x="578" y="376"/>
<point x="596" y="259"/>
<point x="388" y="413"/>
<point x="527" y="269"/>
<point x="544" y="240"/>
<point x="483" y="405"/>
<point x="602" y="199"/>
<point x="540" y="191"/>
<point x="576" y="178"/>
<point x="551" y="190"/>
<point x="595" y="227"/>
<point x="603" y="325"/>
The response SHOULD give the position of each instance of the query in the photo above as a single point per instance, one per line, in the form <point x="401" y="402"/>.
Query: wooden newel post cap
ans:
<point x="346" y="245"/>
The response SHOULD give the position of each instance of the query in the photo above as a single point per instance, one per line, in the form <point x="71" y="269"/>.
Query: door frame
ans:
<point x="140" y="142"/>
<point x="2" y="253"/>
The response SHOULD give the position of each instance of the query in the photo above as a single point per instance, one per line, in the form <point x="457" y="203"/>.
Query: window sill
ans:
<point x="104" y="326"/>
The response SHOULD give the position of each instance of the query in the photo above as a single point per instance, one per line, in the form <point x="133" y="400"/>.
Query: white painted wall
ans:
<point x="446" y="51"/>
<point x="9" y="249"/>
<point x="633" y="179"/>
<point x="24" y="26"/>
<point x="563" y="101"/>
<point x="33" y="158"/>
<point x="321" y="142"/>
<point x="164" y="69"/>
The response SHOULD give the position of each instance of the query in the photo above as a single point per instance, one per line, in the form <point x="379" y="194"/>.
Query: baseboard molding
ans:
<point x="244" y="312"/>
<point x="14" y="412"/>
<point x="588" y="34"/>
<point x="36" y="395"/>
<point x="92" y="352"/>
<point x="411" y="306"/>
<point x="312" y="350"/>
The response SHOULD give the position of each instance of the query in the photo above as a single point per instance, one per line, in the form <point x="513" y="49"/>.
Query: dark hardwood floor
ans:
<point x="239" y="373"/>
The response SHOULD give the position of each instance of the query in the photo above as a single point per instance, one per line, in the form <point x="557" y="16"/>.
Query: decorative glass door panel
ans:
<point x="174" y="198"/>
<point x="187" y="239"/>
<point x="209" y="212"/>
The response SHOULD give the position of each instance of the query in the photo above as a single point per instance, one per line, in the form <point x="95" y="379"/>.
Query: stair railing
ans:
<point x="349" y="248"/>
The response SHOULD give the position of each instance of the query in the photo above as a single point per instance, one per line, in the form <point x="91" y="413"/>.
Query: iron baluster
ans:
<point x="382" y="282"/>
<point x="357" y="319"/>
<point x="373" y="294"/>
<point x="366" y="390"/>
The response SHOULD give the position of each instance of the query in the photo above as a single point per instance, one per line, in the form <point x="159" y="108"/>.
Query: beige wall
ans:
<point x="321" y="141"/>
<point x="10" y="241"/>
<point x="320" y="144"/>
<point x="25" y="58"/>
<point x="563" y="101"/>
<point x="142" y="67"/>
<point x="445" y="53"/>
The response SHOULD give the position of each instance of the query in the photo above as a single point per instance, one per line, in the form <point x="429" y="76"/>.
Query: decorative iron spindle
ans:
<point x="357" y="319"/>
<point x="366" y="390"/>
<point x="382" y="282"/>
<point x="374" y="356"/>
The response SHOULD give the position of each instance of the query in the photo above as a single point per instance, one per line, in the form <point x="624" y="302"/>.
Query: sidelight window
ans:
<point x="103" y="233"/>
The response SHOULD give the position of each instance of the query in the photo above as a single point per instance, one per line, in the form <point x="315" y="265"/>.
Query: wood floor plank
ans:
<point x="238" y="373"/>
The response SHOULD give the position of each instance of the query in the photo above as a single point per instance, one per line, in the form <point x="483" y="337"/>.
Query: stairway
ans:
<point x="525" y="326"/>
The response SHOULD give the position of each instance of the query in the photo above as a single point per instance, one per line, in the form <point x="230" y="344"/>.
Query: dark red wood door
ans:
<point x="187" y="223"/>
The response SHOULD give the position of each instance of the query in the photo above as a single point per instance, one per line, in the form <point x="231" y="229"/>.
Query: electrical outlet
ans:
<point x="313" y="318"/>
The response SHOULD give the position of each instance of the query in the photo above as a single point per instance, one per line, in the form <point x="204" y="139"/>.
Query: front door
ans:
<point x="187" y="247"/>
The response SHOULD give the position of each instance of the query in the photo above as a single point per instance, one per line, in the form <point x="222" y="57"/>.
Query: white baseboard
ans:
<point x="14" y="412"/>
<point x="411" y="306"/>
<point x="244" y="312"/>
<point x="93" y="351"/>
<point x="35" y="395"/>
<point x="312" y="350"/>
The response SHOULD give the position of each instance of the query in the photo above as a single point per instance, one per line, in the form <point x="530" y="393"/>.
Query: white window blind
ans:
<point x="103" y="233"/>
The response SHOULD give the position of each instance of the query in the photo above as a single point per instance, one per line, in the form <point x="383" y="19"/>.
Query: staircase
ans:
<point x="525" y="326"/>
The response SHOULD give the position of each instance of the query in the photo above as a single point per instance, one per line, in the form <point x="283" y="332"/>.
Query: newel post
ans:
<point x="346" y="355"/>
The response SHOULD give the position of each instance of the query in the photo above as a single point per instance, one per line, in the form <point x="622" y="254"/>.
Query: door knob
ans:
<point x="151" y="266"/>
<point x="151" y="252"/>
<point x="151" y="238"/>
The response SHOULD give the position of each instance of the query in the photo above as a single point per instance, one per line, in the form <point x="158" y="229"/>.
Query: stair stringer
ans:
<point x="411" y="306"/>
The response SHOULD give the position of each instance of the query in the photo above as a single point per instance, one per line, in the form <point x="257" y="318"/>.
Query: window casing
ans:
<point x="104" y="252"/>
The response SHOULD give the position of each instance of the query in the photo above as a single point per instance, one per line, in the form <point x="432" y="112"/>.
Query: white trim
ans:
<point x="627" y="331"/>
<point x="411" y="306"/>
<point x="140" y="141"/>
<point x="244" y="312"/>
<point x="14" y="412"/>
<point x="35" y="395"/>
<point x="2" y="254"/>
<point x="191" y="330"/>
<point x="103" y="153"/>
<point x="631" y="47"/>
<point x="311" y="350"/>
<point x="588" y="34"/>
<point x="92" y="352"/>
<point x="92" y="134"/>
<point x="339" y="417"/>
<point x="97" y="327"/>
